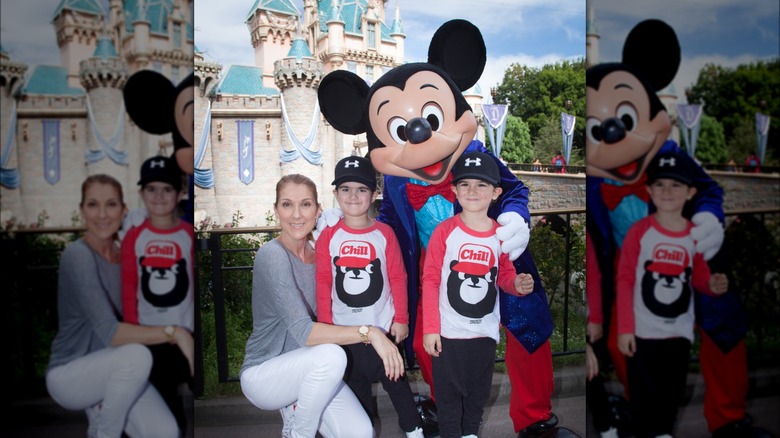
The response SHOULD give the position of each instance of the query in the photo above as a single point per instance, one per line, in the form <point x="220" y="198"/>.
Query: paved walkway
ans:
<point x="234" y="417"/>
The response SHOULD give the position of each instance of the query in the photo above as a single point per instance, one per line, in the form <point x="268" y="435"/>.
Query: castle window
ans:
<point x="175" y="73"/>
<point x="352" y="66"/>
<point x="371" y="35"/>
<point x="157" y="66"/>
<point x="370" y="74"/>
<point x="177" y="35"/>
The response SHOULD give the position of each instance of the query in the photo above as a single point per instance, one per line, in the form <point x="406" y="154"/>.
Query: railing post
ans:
<point x="566" y="281"/>
<point x="215" y="244"/>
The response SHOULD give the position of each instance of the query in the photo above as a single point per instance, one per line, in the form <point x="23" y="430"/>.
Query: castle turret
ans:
<point x="297" y="76"/>
<point x="77" y="24"/>
<point x="335" y="25"/>
<point x="103" y="76"/>
<point x="398" y="35"/>
<point x="271" y="32"/>
<point x="141" y="28"/>
<point x="591" y="39"/>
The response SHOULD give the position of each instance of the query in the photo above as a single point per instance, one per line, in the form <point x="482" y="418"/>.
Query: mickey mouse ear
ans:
<point x="149" y="100"/>
<point x="458" y="48"/>
<point x="653" y="48"/>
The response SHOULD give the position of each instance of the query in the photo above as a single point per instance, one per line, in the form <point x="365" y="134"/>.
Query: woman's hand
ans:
<point x="388" y="352"/>
<point x="183" y="338"/>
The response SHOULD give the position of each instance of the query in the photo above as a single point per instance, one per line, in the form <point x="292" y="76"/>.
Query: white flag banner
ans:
<point x="762" y="132"/>
<point x="567" y="129"/>
<point x="689" y="116"/>
<point x="495" y="116"/>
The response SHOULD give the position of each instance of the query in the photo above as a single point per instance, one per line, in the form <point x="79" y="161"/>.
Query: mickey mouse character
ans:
<point x="417" y="124"/>
<point x="626" y="126"/>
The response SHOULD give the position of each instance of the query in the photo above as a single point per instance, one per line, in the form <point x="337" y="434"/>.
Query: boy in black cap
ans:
<point x="464" y="267"/>
<point x="158" y="276"/>
<point x="657" y="273"/>
<point x="361" y="281"/>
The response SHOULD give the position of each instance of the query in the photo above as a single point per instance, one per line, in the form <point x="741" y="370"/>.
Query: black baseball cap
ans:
<point x="476" y="165"/>
<point x="163" y="169"/>
<point x="355" y="169"/>
<point x="670" y="165"/>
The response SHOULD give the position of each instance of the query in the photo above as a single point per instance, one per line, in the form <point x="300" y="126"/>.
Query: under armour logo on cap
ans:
<point x="469" y="161"/>
<point x="157" y="163"/>
<point x="671" y="162"/>
<point x="348" y="164"/>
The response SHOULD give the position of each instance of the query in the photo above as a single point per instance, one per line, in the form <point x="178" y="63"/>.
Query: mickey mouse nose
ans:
<point x="418" y="130"/>
<point x="613" y="130"/>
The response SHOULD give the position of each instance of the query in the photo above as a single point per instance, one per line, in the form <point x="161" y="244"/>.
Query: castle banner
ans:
<point x="246" y="150"/>
<point x="51" y="151"/>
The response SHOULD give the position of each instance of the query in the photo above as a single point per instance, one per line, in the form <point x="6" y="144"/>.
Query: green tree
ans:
<point x="517" y="147"/>
<point x="711" y="146"/>
<point x="733" y="95"/>
<point x="743" y="141"/>
<point x="548" y="141"/>
<point x="537" y="95"/>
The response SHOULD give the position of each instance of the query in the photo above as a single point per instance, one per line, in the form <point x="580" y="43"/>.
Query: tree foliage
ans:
<point x="711" y="146"/>
<point x="735" y="95"/>
<point x="517" y="146"/>
<point x="539" y="96"/>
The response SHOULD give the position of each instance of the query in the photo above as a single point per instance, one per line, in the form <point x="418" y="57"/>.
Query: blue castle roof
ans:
<point x="105" y="49"/>
<point x="154" y="11"/>
<point x="88" y="6"/>
<point x="48" y="79"/>
<point x="351" y="14"/>
<point x="283" y="6"/>
<point x="244" y="80"/>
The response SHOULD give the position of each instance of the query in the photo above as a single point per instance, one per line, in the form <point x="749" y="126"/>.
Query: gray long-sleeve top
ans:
<point x="87" y="321"/>
<point x="281" y="319"/>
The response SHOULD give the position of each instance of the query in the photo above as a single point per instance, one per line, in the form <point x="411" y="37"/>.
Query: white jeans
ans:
<point x="118" y="379"/>
<point x="310" y="377"/>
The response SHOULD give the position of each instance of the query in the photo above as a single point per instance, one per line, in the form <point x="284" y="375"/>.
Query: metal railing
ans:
<point x="30" y="270"/>
<point x="211" y="241"/>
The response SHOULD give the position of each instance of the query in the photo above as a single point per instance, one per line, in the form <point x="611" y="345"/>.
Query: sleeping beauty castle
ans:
<point x="255" y="123"/>
<point x="61" y="123"/>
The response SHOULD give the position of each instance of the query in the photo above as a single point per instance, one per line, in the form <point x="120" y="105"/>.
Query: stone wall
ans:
<point x="553" y="190"/>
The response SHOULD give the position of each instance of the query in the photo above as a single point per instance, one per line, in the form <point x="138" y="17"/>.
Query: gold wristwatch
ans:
<point x="169" y="332"/>
<point x="364" y="330"/>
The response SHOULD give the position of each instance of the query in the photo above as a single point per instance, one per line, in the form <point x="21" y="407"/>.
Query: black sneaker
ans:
<point x="426" y="408"/>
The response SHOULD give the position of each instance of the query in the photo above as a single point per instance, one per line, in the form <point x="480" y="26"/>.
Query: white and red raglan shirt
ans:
<point x="158" y="275"/>
<point x="658" y="271"/>
<point x="361" y="278"/>
<point x="462" y="274"/>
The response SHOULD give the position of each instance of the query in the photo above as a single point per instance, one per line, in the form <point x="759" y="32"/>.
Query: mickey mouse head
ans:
<point x="626" y="122"/>
<point x="415" y="117"/>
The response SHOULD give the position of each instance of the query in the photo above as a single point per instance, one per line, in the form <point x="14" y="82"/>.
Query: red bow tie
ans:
<point x="418" y="194"/>
<point x="613" y="194"/>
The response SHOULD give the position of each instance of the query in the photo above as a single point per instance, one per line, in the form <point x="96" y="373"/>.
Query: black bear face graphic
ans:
<point x="164" y="287"/>
<point x="359" y="287"/>
<point x="667" y="296"/>
<point x="472" y="296"/>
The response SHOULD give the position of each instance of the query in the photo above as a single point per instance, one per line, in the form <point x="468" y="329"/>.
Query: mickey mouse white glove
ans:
<point x="708" y="233"/>
<point x="514" y="233"/>
<point x="328" y="218"/>
<point x="133" y="218"/>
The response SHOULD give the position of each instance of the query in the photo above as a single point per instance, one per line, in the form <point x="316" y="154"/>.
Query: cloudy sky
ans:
<point x="723" y="32"/>
<point x="530" y="32"/>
